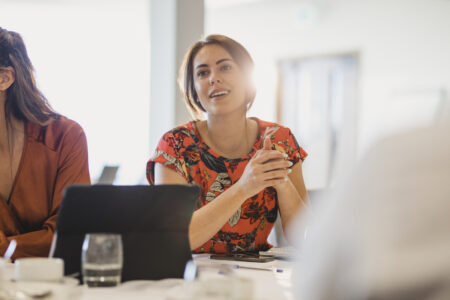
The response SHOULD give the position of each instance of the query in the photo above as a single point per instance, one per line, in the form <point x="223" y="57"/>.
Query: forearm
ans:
<point x="35" y="243"/>
<point x="209" y="219"/>
<point x="8" y="222"/>
<point x="290" y="203"/>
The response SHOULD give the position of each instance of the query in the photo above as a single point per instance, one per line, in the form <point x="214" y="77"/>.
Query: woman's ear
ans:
<point x="7" y="77"/>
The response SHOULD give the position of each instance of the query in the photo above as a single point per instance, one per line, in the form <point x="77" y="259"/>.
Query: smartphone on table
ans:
<point x="242" y="257"/>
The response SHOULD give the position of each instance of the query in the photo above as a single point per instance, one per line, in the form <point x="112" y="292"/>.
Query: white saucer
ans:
<point x="66" y="281"/>
<point x="44" y="288"/>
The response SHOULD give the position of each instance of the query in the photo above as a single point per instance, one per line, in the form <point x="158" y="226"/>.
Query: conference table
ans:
<point x="217" y="279"/>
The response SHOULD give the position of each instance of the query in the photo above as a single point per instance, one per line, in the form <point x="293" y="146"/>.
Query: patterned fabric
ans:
<point x="183" y="150"/>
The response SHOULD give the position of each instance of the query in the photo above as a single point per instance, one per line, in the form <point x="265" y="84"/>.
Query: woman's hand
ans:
<point x="267" y="168"/>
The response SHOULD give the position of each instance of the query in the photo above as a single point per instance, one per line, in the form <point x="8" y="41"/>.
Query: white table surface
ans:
<point x="271" y="282"/>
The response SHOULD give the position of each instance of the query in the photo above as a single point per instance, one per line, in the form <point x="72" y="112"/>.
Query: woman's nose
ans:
<point x="213" y="79"/>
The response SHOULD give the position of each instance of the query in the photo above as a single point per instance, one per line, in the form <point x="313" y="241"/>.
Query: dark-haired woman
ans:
<point x="41" y="153"/>
<point x="248" y="169"/>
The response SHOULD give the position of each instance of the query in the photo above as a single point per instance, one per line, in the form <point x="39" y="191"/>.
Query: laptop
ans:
<point x="108" y="175"/>
<point x="153" y="222"/>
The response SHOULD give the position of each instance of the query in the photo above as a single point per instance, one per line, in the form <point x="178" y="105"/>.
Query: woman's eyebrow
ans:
<point x="217" y="63"/>
<point x="222" y="60"/>
<point x="201" y="66"/>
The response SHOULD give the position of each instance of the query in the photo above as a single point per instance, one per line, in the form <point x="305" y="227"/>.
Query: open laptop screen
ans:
<point x="153" y="222"/>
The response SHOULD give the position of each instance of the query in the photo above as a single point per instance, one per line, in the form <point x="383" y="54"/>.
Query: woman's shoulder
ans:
<point x="62" y="125"/>
<point x="273" y="129"/>
<point x="185" y="131"/>
<point x="179" y="138"/>
<point x="282" y="138"/>
<point x="57" y="131"/>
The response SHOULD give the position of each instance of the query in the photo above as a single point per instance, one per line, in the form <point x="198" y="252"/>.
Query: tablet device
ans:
<point x="152" y="220"/>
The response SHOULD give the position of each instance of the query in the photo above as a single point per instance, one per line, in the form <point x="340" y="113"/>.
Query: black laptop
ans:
<point x="153" y="222"/>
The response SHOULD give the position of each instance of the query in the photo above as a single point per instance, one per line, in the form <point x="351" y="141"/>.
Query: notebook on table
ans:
<point x="153" y="222"/>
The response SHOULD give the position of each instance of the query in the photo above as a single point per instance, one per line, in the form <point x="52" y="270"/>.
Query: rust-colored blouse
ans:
<point x="183" y="150"/>
<point x="53" y="157"/>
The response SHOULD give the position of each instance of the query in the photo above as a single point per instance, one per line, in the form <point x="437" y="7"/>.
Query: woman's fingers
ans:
<point x="263" y="156"/>
<point x="266" y="168"/>
<point x="274" y="182"/>
<point x="267" y="144"/>
<point x="275" y="165"/>
<point x="276" y="174"/>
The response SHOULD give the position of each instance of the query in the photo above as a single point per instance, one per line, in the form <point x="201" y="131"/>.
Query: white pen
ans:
<point x="10" y="250"/>
<point x="258" y="268"/>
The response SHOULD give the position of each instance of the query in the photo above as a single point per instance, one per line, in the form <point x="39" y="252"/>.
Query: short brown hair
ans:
<point x="186" y="75"/>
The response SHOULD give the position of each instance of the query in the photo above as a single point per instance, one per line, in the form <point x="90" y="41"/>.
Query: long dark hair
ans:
<point x="24" y="101"/>
<point x="186" y="75"/>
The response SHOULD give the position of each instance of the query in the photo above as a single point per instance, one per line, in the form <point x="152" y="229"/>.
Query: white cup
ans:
<point x="3" y="263"/>
<point x="39" y="269"/>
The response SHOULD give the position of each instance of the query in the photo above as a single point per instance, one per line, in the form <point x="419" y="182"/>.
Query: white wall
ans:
<point x="404" y="47"/>
<point x="92" y="63"/>
<point x="175" y="25"/>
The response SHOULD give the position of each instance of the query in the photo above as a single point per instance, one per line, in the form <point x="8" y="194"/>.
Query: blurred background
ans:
<point x="340" y="73"/>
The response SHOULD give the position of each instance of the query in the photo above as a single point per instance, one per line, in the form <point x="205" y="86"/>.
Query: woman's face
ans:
<point x="219" y="82"/>
<point x="7" y="76"/>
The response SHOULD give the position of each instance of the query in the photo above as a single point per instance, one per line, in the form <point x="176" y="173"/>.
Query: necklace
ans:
<point x="230" y="153"/>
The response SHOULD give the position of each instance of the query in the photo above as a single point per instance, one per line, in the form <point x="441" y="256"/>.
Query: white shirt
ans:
<point x="385" y="234"/>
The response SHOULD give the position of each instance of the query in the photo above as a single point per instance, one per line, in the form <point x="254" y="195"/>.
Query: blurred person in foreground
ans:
<point x="386" y="233"/>
<point x="248" y="169"/>
<point x="41" y="152"/>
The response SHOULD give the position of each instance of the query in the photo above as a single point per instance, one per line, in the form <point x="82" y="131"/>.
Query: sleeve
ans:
<point x="167" y="153"/>
<point x="8" y="222"/>
<point x="73" y="168"/>
<point x="287" y="143"/>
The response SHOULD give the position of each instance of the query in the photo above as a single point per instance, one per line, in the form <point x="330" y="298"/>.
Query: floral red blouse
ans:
<point x="183" y="150"/>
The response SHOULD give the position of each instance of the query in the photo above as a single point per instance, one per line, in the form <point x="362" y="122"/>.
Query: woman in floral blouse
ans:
<point x="248" y="169"/>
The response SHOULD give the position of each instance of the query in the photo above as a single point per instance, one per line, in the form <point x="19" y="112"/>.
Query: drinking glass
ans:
<point x="102" y="259"/>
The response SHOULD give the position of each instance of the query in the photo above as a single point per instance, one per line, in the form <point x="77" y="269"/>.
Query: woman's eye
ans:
<point x="202" y="73"/>
<point x="225" y="67"/>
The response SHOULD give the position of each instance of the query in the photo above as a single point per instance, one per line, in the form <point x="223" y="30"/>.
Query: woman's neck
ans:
<point x="12" y="141"/>
<point x="3" y="126"/>
<point x="231" y="136"/>
<point x="10" y="128"/>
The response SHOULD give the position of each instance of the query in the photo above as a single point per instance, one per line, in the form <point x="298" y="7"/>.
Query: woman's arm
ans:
<point x="292" y="196"/>
<point x="207" y="220"/>
<point x="266" y="168"/>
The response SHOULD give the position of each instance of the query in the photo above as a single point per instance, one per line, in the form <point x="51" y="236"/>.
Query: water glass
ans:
<point x="102" y="259"/>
